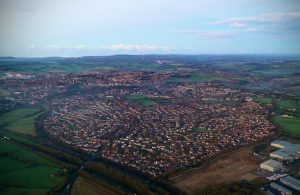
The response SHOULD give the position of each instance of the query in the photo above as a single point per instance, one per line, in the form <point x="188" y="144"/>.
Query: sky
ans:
<point x="37" y="28"/>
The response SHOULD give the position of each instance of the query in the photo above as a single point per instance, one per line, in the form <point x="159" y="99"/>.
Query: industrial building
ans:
<point x="271" y="165"/>
<point x="287" y="151"/>
<point x="291" y="182"/>
<point x="280" y="144"/>
<point x="281" y="189"/>
<point x="282" y="154"/>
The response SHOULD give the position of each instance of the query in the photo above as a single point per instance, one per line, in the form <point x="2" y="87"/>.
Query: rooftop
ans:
<point x="280" y="188"/>
<point x="292" y="181"/>
<point x="272" y="163"/>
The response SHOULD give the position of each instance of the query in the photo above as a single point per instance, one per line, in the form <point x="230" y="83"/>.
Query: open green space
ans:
<point x="25" y="172"/>
<point x="289" y="125"/>
<point x="263" y="100"/>
<point x="286" y="104"/>
<point x="192" y="78"/>
<point x="25" y="125"/>
<point x="142" y="100"/>
<point x="17" y="114"/>
<point x="22" y="120"/>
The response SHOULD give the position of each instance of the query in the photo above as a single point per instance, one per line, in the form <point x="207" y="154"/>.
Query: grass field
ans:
<point x="233" y="167"/>
<point x="21" y="120"/>
<point x="85" y="186"/>
<point x="142" y="100"/>
<point x="290" y="126"/>
<point x="263" y="100"/>
<point x="192" y="78"/>
<point x="286" y="104"/>
<point x="17" y="114"/>
<point x="25" y="172"/>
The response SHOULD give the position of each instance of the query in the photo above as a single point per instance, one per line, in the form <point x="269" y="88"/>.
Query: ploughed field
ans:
<point x="230" y="168"/>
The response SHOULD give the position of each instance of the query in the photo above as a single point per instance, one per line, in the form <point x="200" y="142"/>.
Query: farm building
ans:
<point x="271" y="165"/>
<point x="281" y="189"/>
<point x="291" y="182"/>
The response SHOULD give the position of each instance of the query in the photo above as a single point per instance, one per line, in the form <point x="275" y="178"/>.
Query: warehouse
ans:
<point x="280" y="144"/>
<point x="281" y="189"/>
<point x="291" y="182"/>
<point x="282" y="154"/>
<point x="271" y="165"/>
<point x="288" y="151"/>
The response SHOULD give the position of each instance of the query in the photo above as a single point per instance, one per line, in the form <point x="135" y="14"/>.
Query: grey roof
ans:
<point x="281" y="142"/>
<point x="284" y="153"/>
<point x="291" y="181"/>
<point x="287" y="145"/>
<point x="280" y="188"/>
<point x="272" y="163"/>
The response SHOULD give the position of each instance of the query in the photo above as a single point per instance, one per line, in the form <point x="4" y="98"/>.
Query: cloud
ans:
<point x="138" y="48"/>
<point x="223" y="33"/>
<point x="238" y="25"/>
<point x="260" y="19"/>
<point x="275" y="24"/>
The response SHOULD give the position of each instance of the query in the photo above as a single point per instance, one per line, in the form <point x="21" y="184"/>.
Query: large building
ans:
<point x="281" y="189"/>
<point x="287" y="151"/>
<point x="280" y="144"/>
<point x="291" y="182"/>
<point x="271" y="165"/>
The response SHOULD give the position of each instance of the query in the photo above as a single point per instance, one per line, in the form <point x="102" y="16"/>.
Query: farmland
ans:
<point x="86" y="186"/>
<point x="25" y="172"/>
<point x="290" y="126"/>
<point x="288" y="116"/>
<point x="230" y="168"/>
<point x="21" y="120"/>
<point x="263" y="100"/>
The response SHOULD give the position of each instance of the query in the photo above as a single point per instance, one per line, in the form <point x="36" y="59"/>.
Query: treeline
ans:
<point x="100" y="182"/>
<point x="157" y="184"/>
<point x="118" y="177"/>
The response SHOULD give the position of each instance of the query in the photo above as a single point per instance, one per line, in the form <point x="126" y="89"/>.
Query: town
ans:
<point x="143" y="119"/>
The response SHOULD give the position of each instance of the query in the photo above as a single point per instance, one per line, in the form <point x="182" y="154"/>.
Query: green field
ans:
<point x="263" y="100"/>
<point x="192" y="78"/>
<point x="290" y="126"/>
<point x="17" y="114"/>
<point x="286" y="104"/>
<point x="289" y="107"/>
<point x="21" y="120"/>
<point x="142" y="100"/>
<point x="25" y="172"/>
